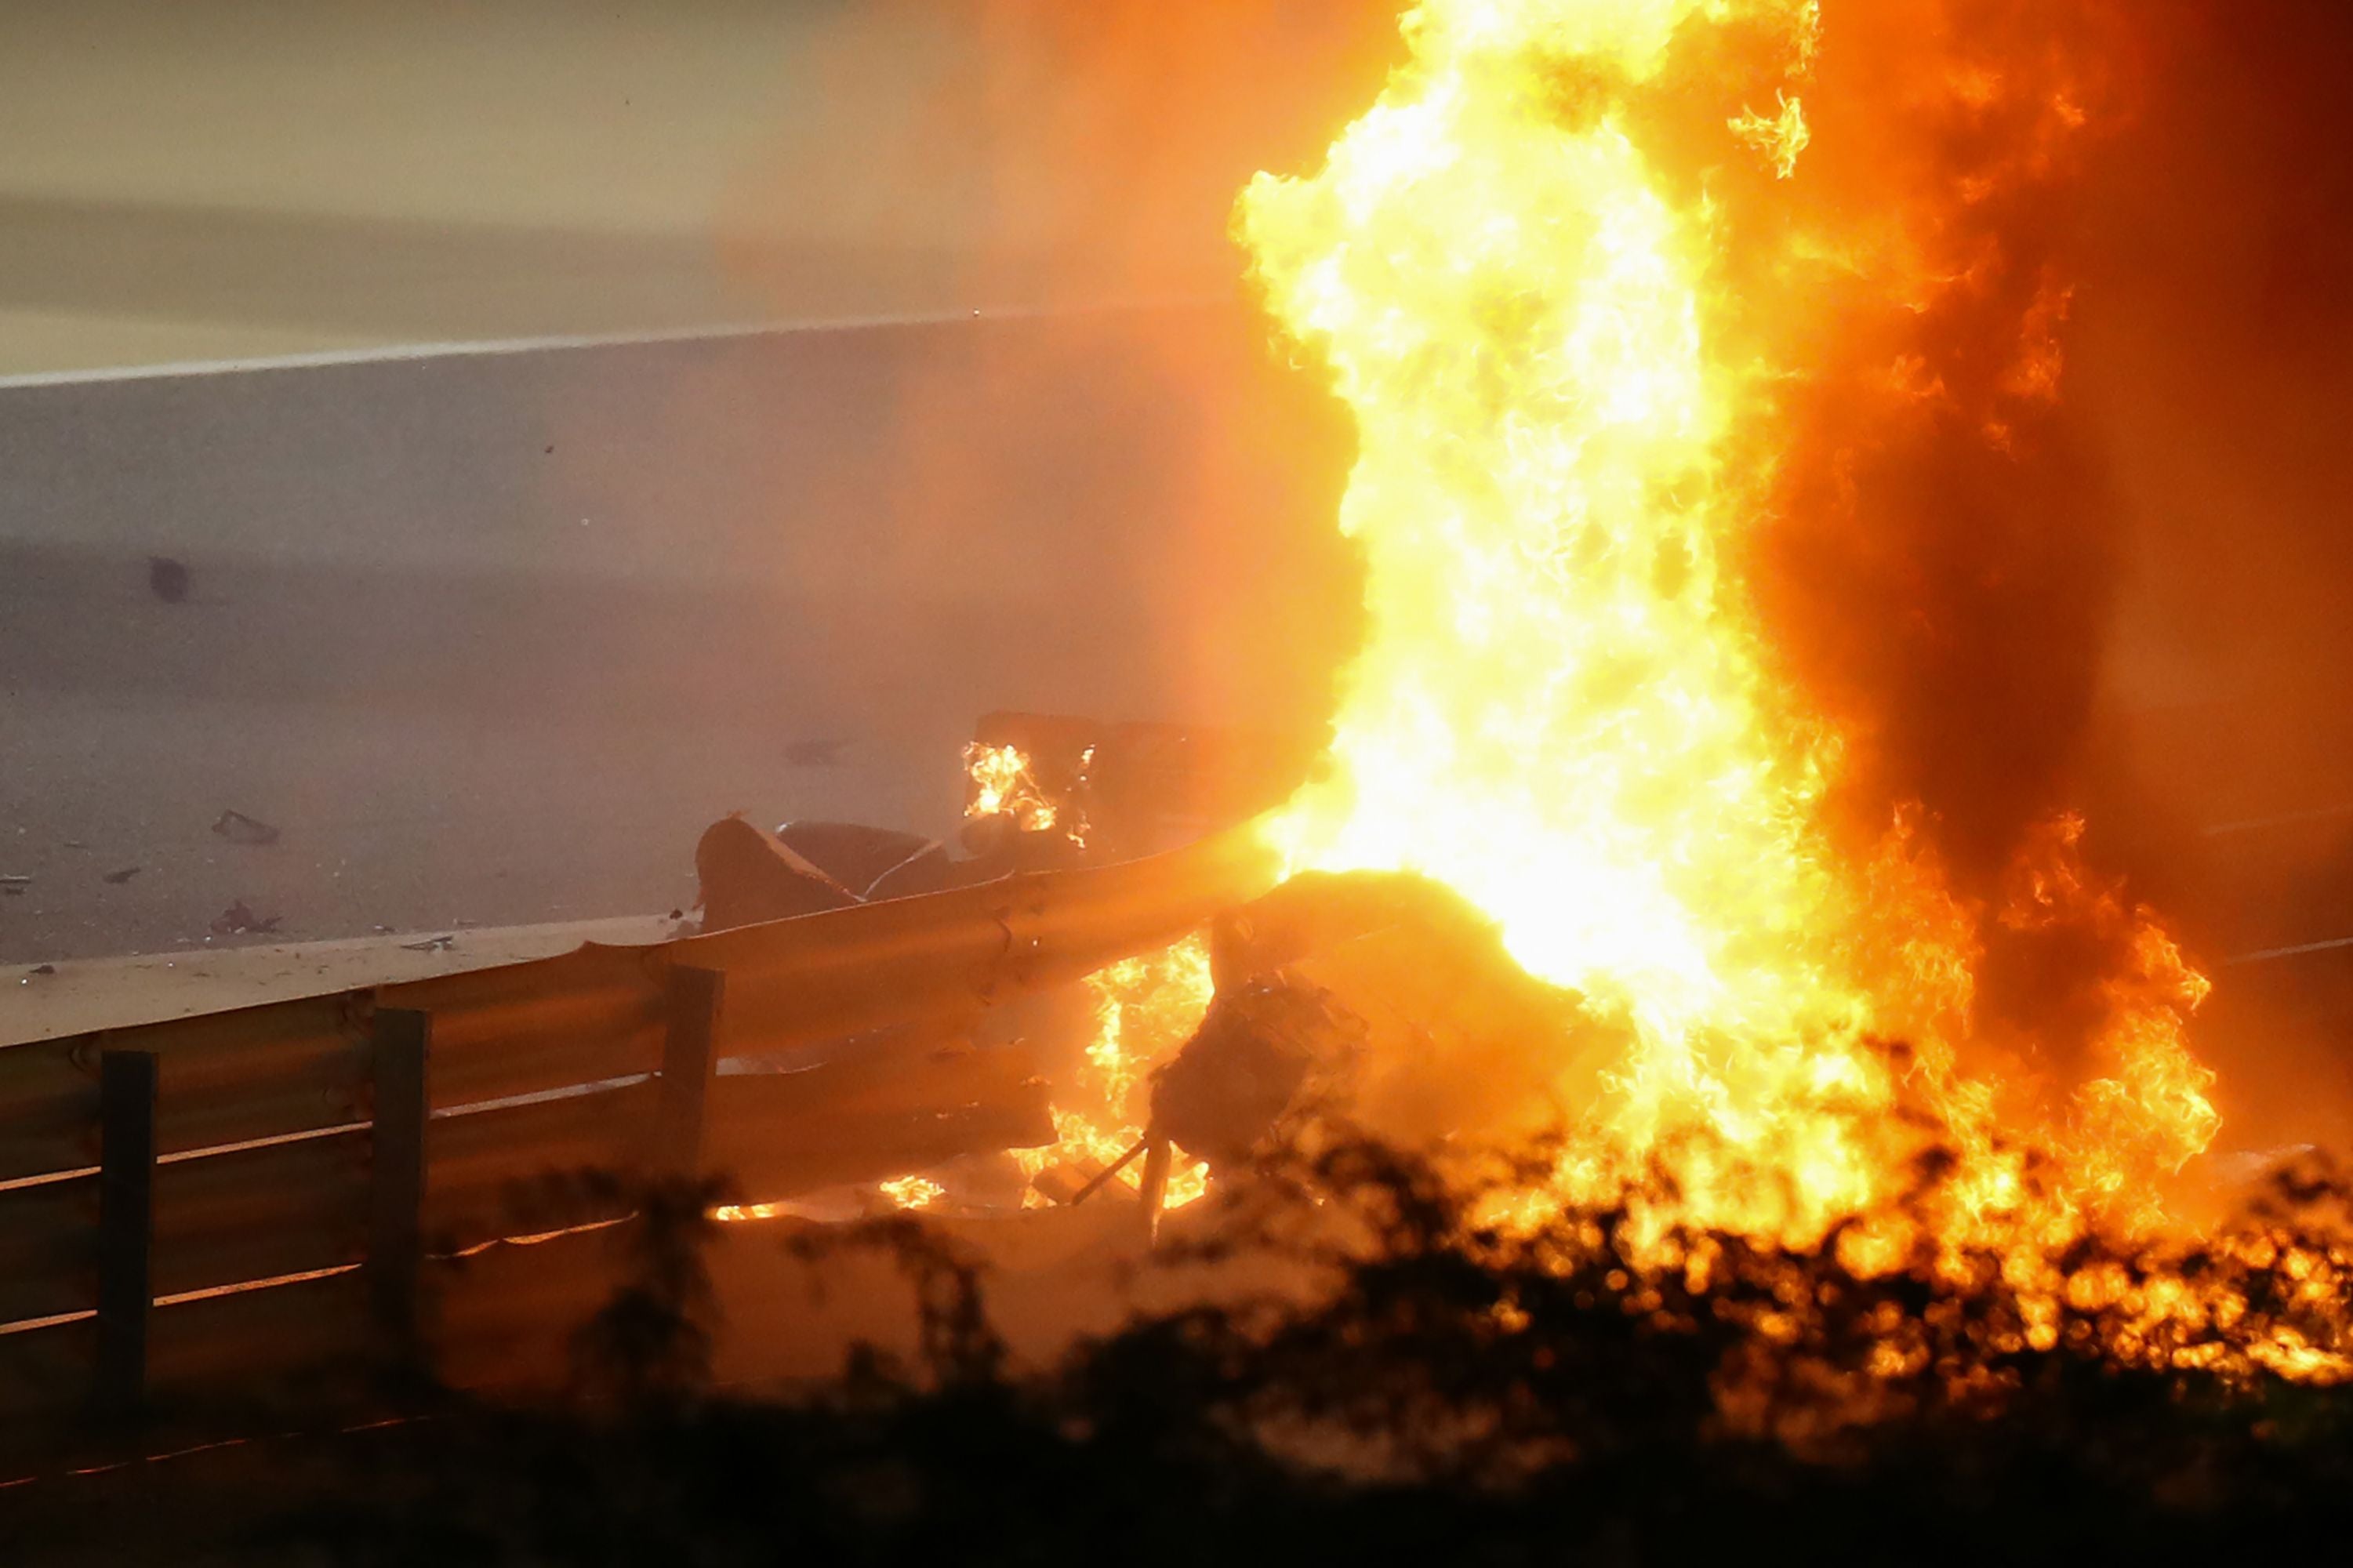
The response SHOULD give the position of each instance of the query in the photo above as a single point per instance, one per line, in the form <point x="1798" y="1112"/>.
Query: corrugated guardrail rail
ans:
<point x="227" y="1199"/>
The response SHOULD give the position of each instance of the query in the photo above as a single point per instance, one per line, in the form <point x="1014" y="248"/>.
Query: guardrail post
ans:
<point x="689" y="1054"/>
<point x="126" y="1225"/>
<point x="401" y="1049"/>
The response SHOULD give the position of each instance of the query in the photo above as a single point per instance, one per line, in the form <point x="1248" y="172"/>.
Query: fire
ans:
<point x="1560" y="711"/>
<point x="1570" y="364"/>
<point x="1780" y="137"/>
<point x="912" y="1191"/>
<point x="1002" y="786"/>
<point x="909" y="1191"/>
<point x="1145" y="1009"/>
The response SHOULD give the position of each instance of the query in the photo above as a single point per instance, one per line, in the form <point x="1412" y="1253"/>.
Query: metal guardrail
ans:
<point x="217" y="1199"/>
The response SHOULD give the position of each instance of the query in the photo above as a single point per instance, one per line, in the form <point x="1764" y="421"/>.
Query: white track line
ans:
<point x="2265" y="954"/>
<point x="2286" y="819"/>
<point x="396" y="353"/>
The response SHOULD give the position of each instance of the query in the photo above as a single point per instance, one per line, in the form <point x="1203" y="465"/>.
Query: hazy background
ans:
<point x="491" y="637"/>
<point x="241" y="177"/>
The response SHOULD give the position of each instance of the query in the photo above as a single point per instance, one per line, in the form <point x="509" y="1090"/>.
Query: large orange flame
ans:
<point x="1144" y="1009"/>
<point x="1568" y="367"/>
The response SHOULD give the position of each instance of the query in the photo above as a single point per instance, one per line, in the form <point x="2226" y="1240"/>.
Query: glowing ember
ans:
<point x="1002" y="786"/>
<point x="734" y="1214"/>
<point x="1145" y="1009"/>
<point x="1570" y="362"/>
<point x="913" y="1191"/>
<point x="904" y="1192"/>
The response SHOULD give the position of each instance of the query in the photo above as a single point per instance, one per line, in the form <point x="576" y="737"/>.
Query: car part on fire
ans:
<point x="1303" y="976"/>
<point x="1129" y="789"/>
<point x="1458" y="1038"/>
<point x="749" y="877"/>
<point x="1460" y="1041"/>
<point x="998" y="845"/>
<point x="1151" y="1190"/>
<point x="1096" y="1182"/>
<point x="1252" y="1061"/>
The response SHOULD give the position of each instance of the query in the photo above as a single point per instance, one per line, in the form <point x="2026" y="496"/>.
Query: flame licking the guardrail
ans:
<point x="1609" y="341"/>
<point x="1145" y="1009"/>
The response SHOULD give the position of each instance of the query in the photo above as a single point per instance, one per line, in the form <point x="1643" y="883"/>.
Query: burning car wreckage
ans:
<point x="1653" y="869"/>
<point x="1349" y="1010"/>
<point x="1362" y="996"/>
<point x="1162" y="1068"/>
<point x="1614" y="904"/>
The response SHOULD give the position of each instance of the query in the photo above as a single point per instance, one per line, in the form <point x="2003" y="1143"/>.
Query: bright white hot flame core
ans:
<point x="1558" y="713"/>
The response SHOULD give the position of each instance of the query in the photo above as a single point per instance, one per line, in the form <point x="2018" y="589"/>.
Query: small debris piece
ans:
<point x="75" y="844"/>
<point x="749" y="876"/>
<point x="928" y="870"/>
<point x="119" y="877"/>
<point x="814" y="754"/>
<point x="1064" y="1183"/>
<point x="430" y="944"/>
<point x="168" y="579"/>
<point x="851" y="852"/>
<point x="43" y="969"/>
<point x="238" y="919"/>
<point x="15" y="881"/>
<point x="1245" y="1067"/>
<point x="239" y="828"/>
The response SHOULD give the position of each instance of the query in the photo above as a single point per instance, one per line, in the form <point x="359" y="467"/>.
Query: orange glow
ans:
<point x="1781" y="137"/>
<point x="736" y="1214"/>
<point x="912" y="1191"/>
<point x="1569" y="708"/>
<point x="1002" y="786"/>
<point x="1145" y="1009"/>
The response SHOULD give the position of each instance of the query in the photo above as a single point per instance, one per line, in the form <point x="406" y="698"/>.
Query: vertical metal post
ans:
<point x="402" y="1047"/>
<point x="1155" y="1191"/>
<point x="126" y="1225"/>
<point x="689" y="1054"/>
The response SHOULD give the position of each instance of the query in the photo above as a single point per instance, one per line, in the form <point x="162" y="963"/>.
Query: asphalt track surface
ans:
<point x="490" y="636"/>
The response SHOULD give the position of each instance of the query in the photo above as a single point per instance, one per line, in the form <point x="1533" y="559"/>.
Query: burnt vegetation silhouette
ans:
<point x="1437" y="1391"/>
